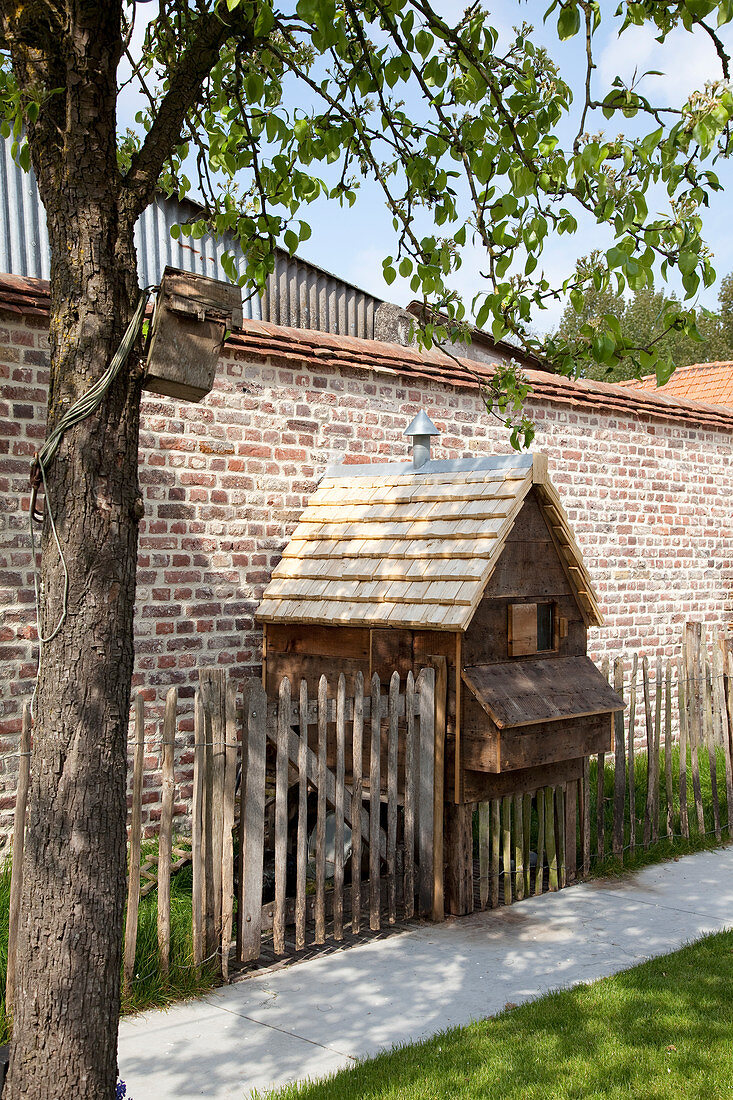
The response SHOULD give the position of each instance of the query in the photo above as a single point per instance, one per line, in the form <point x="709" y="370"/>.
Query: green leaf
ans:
<point x="254" y="86"/>
<point x="424" y="43"/>
<point x="687" y="262"/>
<point x="265" y="20"/>
<point x="577" y="300"/>
<point x="568" y="21"/>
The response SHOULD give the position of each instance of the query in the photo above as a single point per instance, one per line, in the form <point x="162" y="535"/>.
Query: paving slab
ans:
<point x="314" y="1017"/>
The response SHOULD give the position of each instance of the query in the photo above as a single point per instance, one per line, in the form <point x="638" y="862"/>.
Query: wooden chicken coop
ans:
<point x="467" y="564"/>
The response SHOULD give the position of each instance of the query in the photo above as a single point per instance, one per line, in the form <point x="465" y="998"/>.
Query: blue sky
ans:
<point x="353" y="242"/>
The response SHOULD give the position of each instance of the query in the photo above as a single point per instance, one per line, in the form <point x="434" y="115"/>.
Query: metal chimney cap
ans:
<point x="422" y="425"/>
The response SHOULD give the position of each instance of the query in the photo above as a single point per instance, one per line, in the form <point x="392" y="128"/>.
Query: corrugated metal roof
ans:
<point x="299" y="294"/>
<point x="24" y="247"/>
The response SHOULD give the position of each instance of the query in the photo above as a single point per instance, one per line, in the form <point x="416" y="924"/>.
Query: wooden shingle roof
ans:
<point x="399" y="547"/>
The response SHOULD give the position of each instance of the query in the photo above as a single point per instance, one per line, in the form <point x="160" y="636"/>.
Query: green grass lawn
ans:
<point x="663" y="1029"/>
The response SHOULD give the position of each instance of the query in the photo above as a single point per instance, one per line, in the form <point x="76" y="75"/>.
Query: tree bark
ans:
<point x="67" y="1003"/>
<point x="65" y="59"/>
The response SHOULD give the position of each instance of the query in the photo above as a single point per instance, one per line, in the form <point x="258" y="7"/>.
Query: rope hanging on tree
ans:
<point x="80" y="410"/>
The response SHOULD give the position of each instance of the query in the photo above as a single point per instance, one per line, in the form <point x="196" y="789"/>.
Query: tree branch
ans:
<point x="719" y="48"/>
<point x="199" y="57"/>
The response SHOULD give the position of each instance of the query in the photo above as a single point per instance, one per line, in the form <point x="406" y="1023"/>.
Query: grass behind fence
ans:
<point x="664" y="848"/>
<point x="151" y="988"/>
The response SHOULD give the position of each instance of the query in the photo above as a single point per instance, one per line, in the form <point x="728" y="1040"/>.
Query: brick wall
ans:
<point x="224" y="483"/>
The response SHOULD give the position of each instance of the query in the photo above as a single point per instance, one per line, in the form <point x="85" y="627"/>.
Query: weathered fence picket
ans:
<point x="133" y="891"/>
<point x="165" y="833"/>
<point x="198" y="889"/>
<point x="251" y="822"/>
<point x="619" y="773"/>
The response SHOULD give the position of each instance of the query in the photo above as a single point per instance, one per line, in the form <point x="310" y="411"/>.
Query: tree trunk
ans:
<point x="65" y="1025"/>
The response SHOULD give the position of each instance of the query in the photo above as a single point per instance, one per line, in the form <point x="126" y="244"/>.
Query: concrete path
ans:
<point x="316" y="1016"/>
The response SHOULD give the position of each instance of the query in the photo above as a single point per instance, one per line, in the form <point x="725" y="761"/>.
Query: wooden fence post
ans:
<point x="484" y="839"/>
<point x="197" y="825"/>
<point x="631" y="750"/>
<point x="682" y="713"/>
<point x="227" y="853"/>
<point x="165" y="837"/>
<point x="668" y="784"/>
<point x="619" y="774"/>
<point x="506" y="847"/>
<point x="658" y="676"/>
<point x="133" y="871"/>
<point x="571" y="828"/>
<point x="441" y="709"/>
<point x="411" y="752"/>
<point x="518" y="838"/>
<point x="375" y="779"/>
<point x="301" y="836"/>
<point x="338" y="853"/>
<point x="728" y="746"/>
<point x="649" y="752"/>
<point x="550" y="840"/>
<point x="693" y="640"/>
<point x="426" y="689"/>
<point x="357" y="757"/>
<point x="320" y="907"/>
<point x="494" y="854"/>
<point x="252" y="820"/>
<point x="539" y="874"/>
<point x="601" y="788"/>
<point x="560" y="833"/>
<point x="16" y="874"/>
<point x="585" y="844"/>
<point x="719" y="696"/>
<point x="392" y="731"/>
<point x="213" y="691"/>
<point x="281" y="817"/>
<point x="707" y="687"/>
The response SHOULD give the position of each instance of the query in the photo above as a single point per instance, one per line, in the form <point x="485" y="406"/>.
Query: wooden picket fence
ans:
<point x="268" y="774"/>
<point x="259" y="767"/>
<point x="677" y="727"/>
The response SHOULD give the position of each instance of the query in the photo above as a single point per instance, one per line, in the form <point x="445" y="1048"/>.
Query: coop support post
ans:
<point x="458" y="858"/>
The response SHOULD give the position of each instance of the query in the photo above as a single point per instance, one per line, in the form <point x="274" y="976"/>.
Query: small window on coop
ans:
<point x="531" y="628"/>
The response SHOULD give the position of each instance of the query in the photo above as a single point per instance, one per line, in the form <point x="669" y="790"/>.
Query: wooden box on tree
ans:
<point x="192" y="315"/>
